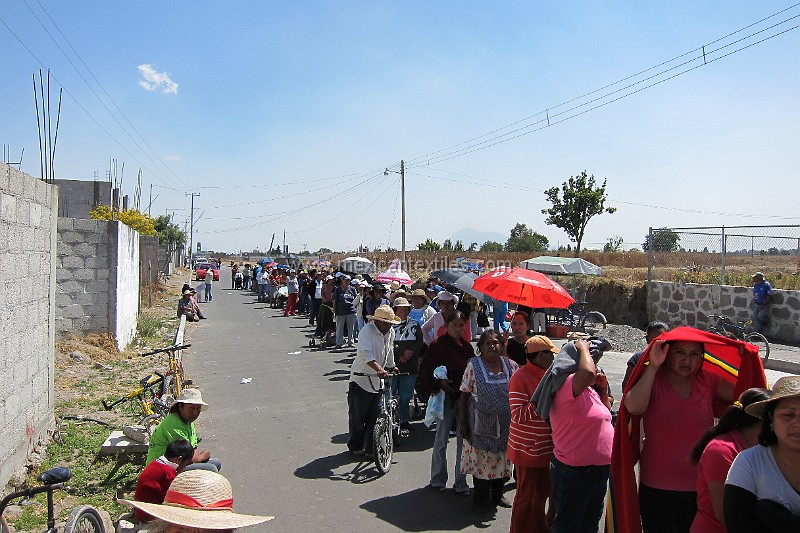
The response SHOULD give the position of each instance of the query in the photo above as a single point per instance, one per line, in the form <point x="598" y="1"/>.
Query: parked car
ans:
<point x="201" y="271"/>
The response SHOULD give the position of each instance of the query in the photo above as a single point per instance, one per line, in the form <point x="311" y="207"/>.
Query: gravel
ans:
<point x="623" y="338"/>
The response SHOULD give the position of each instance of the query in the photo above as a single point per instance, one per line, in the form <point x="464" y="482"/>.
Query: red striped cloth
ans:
<point x="735" y="361"/>
<point x="530" y="442"/>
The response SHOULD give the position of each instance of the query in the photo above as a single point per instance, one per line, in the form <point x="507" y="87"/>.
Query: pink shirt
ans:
<point x="672" y="426"/>
<point x="582" y="430"/>
<point x="713" y="467"/>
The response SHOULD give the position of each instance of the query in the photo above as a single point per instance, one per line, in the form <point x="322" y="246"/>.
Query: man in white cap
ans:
<point x="375" y="353"/>
<point x="434" y="327"/>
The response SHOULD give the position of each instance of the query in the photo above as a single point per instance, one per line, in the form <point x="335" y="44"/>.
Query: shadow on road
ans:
<point x="345" y="361"/>
<point x="341" y="438"/>
<point x="433" y="511"/>
<point x="335" y="468"/>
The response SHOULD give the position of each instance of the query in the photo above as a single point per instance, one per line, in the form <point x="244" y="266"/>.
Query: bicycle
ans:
<point x="82" y="519"/>
<point x="153" y="408"/>
<point x="724" y="324"/>
<point x="387" y="425"/>
<point x="577" y="318"/>
<point x="175" y="377"/>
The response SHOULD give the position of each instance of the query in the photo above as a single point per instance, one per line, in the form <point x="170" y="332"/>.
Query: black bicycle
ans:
<point x="724" y="324"/>
<point x="82" y="519"/>
<point x="577" y="318"/>
<point x="387" y="426"/>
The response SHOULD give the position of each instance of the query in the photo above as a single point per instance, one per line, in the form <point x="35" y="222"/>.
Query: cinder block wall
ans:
<point x="97" y="284"/>
<point x="689" y="304"/>
<point x="28" y="213"/>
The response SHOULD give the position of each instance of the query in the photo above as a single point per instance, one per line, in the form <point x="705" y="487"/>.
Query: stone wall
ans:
<point x="76" y="198"/>
<point x="28" y="213"/>
<point x="97" y="286"/>
<point x="690" y="304"/>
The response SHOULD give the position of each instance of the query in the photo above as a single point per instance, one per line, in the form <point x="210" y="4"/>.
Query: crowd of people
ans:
<point x="721" y="453"/>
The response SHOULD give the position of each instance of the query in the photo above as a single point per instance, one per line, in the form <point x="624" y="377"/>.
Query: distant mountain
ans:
<point x="470" y="235"/>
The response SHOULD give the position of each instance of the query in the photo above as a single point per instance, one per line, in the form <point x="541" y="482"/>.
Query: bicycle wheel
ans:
<point x="84" y="519"/>
<point x="383" y="443"/>
<point x="759" y="340"/>
<point x="593" y="322"/>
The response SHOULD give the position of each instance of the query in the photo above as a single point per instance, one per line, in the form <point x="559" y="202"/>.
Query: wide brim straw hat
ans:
<point x="384" y="313"/>
<point x="785" y="387"/>
<point x="193" y="396"/>
<point x="401" y="302"/>
<point x="200" y="499"/>
<point x="420" y="292"/>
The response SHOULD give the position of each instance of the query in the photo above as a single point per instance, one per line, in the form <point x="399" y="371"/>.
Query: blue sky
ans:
<point x="283" y="114"/>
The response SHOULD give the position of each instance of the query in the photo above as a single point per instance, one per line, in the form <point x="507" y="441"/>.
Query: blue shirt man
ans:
<point x="762" y="292"/>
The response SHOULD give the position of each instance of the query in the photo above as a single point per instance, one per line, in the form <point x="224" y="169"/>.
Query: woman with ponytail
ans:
<point x="714" y="453"/>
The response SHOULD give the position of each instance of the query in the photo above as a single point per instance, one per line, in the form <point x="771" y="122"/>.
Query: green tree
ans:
<point x="169" y="234"/>
<point x="491" y="246"/>
<point x="472" y="247"/>
<point x="524" y="239"/>
<point x="447" y="246"/>
<point x="664" y="240"/>
<point x="429" y="246"/>
<point x="458" y="246"/>
<point x="578" y="200"/>
<point x="613" y="245"/>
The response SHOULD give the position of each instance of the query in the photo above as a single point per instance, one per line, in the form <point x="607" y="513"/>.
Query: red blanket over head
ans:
<point x="733" y="360"/>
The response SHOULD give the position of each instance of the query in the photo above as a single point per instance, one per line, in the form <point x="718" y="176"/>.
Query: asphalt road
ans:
<point x="282" y="436"/>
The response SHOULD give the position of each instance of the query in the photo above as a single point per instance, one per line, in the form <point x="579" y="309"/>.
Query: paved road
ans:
<point x="282" y="436"/>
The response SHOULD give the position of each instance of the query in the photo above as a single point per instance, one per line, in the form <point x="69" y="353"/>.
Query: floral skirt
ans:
<point x="484" y="464"/>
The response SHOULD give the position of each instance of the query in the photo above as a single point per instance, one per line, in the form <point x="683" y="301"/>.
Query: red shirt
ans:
<point x="530" y="443"/>
<point x="672" y="426"/>
<point x="152" y="485"/>
<point x="713" y="467"/>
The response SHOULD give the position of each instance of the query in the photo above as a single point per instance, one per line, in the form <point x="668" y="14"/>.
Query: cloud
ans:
<point x="173" y="157"/>
<point x="152" y="80"/>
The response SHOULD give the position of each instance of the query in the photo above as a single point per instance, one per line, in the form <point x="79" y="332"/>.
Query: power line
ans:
<point x="74" y="99"/>
<point x="158" y="158"/>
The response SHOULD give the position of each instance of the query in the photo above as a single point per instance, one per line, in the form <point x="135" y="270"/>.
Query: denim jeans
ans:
<point x="345" y="323"/>
<point x="316" y="303"/>
<point x="760" y="316"/>
<point x="439" y="457"/>
<point x="578" y="492"/>
<point x="403" y="387"/>
<point x="262" y="292"/>
<point x="208" y="292"/>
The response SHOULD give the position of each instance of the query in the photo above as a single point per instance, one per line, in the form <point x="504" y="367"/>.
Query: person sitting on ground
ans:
<point x="485" y="420"/>
<point x="186" y="307"/>
<point x="179" y="424"/>
<point x="197" y="501"/>
<point x="654" y="329"/>
<point x="153" y="482"/>
<point x="374" y="355"/>
<point x="762" y="491"/>
<point x="715" y="451"/>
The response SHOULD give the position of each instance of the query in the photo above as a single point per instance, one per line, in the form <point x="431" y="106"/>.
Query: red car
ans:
<point x="201" y="271"/>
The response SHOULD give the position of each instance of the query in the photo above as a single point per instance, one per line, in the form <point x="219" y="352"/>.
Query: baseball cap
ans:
<point x="539" y="343"/>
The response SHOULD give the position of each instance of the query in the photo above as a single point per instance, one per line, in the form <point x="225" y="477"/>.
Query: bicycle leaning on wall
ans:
<point x="724" y="324"/>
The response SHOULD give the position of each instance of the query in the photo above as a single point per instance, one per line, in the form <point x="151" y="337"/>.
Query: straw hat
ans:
<point x="384" y="313"/>
<point x="785" y="387"/>
<point x="200" y="499"/>
<point x="394" y="285"/>
<point x="420" y="292"/>
<point x="401" y="302"/>
<point x="192" y="396"/>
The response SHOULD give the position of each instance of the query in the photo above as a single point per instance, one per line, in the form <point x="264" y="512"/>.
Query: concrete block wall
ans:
<point x="28" y="214"/>
<point x="689" y="304"/>
<point x="97" y="266"/>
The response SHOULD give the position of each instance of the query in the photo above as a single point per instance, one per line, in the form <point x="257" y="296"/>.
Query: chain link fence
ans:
<point x="725" y="255"/>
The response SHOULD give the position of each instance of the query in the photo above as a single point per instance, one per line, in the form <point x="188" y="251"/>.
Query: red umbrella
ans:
<point x="522" y="286"/>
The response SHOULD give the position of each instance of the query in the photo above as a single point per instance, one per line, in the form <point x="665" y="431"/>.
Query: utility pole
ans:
<point x="191" y="226"/>
<point x="403" y="210"/>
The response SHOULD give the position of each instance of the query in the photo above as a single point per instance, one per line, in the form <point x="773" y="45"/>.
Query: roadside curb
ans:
<point x="783" y="366"/>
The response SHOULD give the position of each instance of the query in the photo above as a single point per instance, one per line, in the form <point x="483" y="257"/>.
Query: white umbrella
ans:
<point x="357" y="265"/>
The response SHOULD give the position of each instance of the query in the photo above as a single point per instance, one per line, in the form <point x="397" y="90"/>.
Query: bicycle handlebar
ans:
<point x="147" y="384"/>
<point x="172" y="348"/>
<point x="28" y="493"/>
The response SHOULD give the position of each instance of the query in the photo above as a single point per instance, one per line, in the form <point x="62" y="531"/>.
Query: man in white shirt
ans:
<point x="375" y="353"/>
